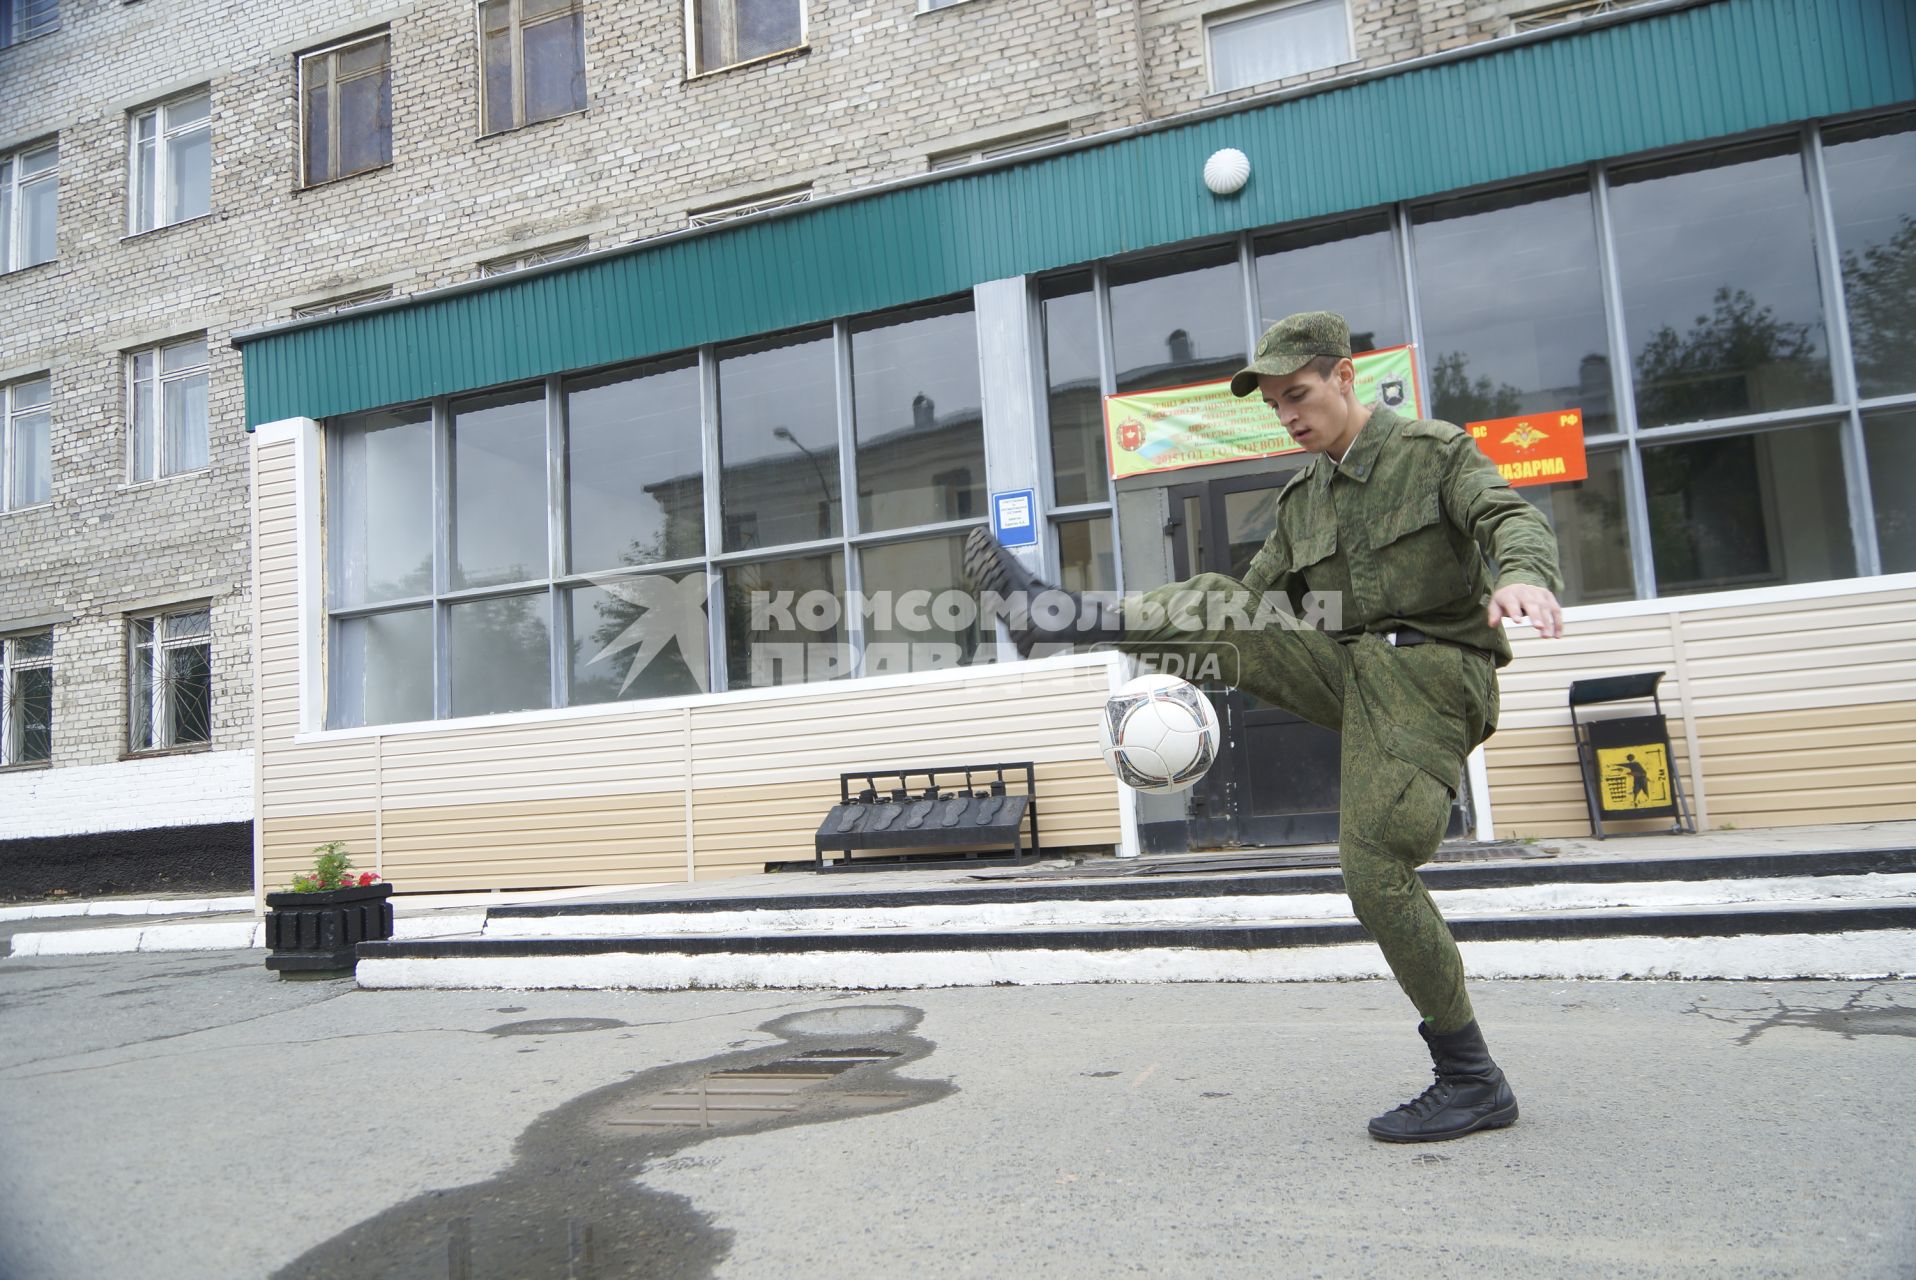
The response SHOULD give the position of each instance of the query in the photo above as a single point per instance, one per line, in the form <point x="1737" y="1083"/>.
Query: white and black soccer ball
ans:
<point x="1159" y="734"/>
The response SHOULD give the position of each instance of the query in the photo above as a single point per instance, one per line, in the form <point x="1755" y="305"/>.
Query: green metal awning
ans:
<point x="1664" y="78"/>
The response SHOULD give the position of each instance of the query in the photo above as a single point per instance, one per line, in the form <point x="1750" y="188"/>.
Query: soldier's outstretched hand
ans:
<point x="1522" y="602"/>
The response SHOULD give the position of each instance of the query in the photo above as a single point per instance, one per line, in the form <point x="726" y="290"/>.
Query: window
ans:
<point x="1010" y="146"/>
<point x="1890" y="440"/>
<point x="1178" y="319"/>
<point x="1593" y="532"/>
<point x="1275" y="43"/>
<point x="25" y="19"/>
<point x="346" y="109"/>
<point x="1347" y="267"/>
<point x="1872" y="181"/>
<point x="1512" y="303"/>
<point x="532" y="258"/>
<point x="1550" y="15"/>
<point x="1073" y="396"/>
<point x="172" y="680"/>
<point x="1718" y="277"/>
<point x="1748" y="510"/>
<point x="778" y="441"/>
<point x="918" y="418"/>
<point x="168" y="409"/>
<point x="344" y="302"/>
<point x="26" y="698"/>
<point x="172" y="162"/>
<point x="533" y="52"/>
<point x="26" y="444"/>
<point x="759" y="204"/>
<point x="634" y="467"/>
<point x="1086" y="559"/>
<point x="29" y="199"/>
<point x="725" y="32"/>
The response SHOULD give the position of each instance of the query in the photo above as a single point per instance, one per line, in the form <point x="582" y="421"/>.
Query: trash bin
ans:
<point x="1629" y="770"/>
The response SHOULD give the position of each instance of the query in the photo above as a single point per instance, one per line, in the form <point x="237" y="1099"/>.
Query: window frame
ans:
<point x="331" y="53"/>
<point x="692" y="68"/>
<point x="13" y="191"/>
<point x="16" y="14"/>
<point x="11" y="665"/>
<point x="164" y="138"/>
<point x="526" y="259"/>
<point x="1224" y="16"/>
<point x="515" y="43"/>
<point x="10" y="411"/>
<point x="159" y="707"/>
<point x="157" y="351"/>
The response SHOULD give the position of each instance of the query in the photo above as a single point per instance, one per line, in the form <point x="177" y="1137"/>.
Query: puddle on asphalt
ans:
<point x="554" y="1026"/>
<point x="1849" y="1020"/>
<point x="571" y="1204"/>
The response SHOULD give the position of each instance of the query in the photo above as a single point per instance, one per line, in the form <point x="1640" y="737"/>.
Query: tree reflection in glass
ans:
<point x="1872" y="183"/>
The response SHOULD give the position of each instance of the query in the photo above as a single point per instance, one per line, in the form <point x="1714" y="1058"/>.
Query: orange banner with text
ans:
<point x="1536" y="448"/>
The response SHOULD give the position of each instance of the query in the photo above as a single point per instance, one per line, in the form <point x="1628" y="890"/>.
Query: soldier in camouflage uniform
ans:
<point x="1400" y="520"/>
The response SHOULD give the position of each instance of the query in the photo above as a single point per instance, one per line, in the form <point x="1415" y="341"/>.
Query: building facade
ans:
<point x="558" y="318"/>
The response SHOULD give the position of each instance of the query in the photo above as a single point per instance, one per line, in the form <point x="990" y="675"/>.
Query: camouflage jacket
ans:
<point x="1408" y="531"/>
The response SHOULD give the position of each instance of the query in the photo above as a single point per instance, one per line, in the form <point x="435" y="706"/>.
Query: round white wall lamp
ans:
<point x="1226" y="172"/>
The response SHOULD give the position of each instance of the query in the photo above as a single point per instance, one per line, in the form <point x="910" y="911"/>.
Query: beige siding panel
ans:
<point x="288" y="843"/>
<point x="551" y="843"/>
<point x="595" y="756"/>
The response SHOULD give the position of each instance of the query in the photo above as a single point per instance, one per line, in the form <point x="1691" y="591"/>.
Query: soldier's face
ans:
<point x="1316" y="411"/>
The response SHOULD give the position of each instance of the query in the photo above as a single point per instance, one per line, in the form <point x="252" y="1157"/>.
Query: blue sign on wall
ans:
<point x="1013" y="517"/>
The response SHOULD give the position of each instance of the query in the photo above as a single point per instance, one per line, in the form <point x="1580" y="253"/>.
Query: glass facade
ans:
<point x="1724" y="319"/>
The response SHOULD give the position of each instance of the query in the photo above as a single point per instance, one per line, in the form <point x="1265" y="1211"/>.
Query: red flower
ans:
<point x="366" y="878"/>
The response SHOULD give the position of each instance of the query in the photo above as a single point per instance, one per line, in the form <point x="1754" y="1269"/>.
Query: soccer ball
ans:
<point x="1159" y="734"/>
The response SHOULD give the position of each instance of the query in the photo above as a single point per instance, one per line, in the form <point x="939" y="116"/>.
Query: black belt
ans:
<point x="1410" y="637"/>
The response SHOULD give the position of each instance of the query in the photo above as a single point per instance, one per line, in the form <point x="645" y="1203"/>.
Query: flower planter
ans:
<point x="321" y="932"/>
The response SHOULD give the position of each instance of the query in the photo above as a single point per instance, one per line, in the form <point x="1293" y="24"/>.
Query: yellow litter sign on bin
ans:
<point x="1634" y="777"/>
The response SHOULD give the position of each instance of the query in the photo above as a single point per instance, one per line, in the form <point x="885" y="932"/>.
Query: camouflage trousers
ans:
<point x="1408" y="717"/>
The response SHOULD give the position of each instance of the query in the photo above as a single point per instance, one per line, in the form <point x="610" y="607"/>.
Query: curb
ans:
<point x="218" y="935"/>
<point x="127" y="907"/>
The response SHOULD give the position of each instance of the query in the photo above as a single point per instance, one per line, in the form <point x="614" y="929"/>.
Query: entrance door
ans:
<point x="1276" y="778"/>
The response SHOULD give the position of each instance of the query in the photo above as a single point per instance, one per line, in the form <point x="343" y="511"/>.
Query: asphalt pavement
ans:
<point x="188" y="1115"/>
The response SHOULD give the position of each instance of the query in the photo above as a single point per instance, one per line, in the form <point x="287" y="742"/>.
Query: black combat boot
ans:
<point x="1036" y="613"/>
<point x="1470" y="1094"/>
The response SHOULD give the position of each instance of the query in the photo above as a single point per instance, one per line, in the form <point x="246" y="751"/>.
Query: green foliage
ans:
<point x="332" y="869"/>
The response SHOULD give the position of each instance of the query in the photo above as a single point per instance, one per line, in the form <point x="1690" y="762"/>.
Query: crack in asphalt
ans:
<point x="1849" y="1020"/>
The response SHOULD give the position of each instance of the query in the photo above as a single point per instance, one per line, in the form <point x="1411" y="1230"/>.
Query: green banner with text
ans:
<point x="1203" y="423"/>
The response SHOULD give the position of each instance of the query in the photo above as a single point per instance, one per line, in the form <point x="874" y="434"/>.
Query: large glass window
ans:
<point x="500" y="650"/>
<point x="172" y="168"/>
<point x="1347" y="267"/>
<point x="730" y="31"/>
<point x="381" y="514"/>
<point x="1890" y="443"/>
<point x="1512" y="304"/>
<point x="918" y="418"/>
<point x="1178" y="319"/>
<point x="172" y="680"/>
<point x="382" y="669"/>
<point x="26" y="698"/>
<point x="1274" y="42"/>
<point x="1073" y="396"/>
<point x="499" y="488"/>
<point x="1087" y="561"/>
<point x="932" y="622"/>
<point x="1872" y="183"/>
<point x="168" y="409"/>
<point x="785" y="621"/>
<point x="533" y="52"/>
<point x="778" y="441"/>
<point x="346" y="109"/>
<point x="26" y="444"/>
<point x="1718" y="277"/>
<point x="641" y="636"/>
<point x="634" y="468"/>
<point x="1748" y="510"/>
<point x="1593" y="530"/>
<point x="29" y="204"/>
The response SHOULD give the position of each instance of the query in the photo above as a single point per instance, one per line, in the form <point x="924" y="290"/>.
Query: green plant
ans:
<point x="332" y="869"/>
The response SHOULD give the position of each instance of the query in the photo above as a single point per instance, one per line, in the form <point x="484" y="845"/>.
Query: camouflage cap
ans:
<point x="1292" y="343"/>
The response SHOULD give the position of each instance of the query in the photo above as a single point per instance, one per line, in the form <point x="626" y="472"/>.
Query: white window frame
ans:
<point x="994" y="148"/>
<point x="161" y="464"/>
<point x="10" y="412"/>
<point x="138" y="220"/>
<point x="516" y="43"/>
<point x="11" y="665"/>
<point x="757" y="204"/>
<point x="1223" y="16"/>
<point x="692" y="67"/>
<point x="343" y="302"/>
<point x="13" y="200"/>
<point x="152" y="651"/>
<point x="24" y="20"/>
<point x="332" y="106"/>
<point x="512" y="262"/>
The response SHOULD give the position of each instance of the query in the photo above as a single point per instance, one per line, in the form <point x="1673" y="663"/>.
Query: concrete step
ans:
<point x="1862" y="937"/>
